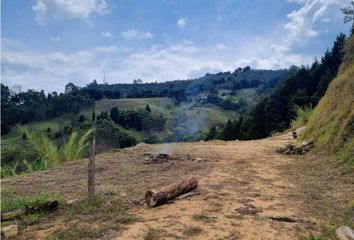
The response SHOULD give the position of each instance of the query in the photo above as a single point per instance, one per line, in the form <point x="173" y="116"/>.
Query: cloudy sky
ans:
<point x="47" y="43"/>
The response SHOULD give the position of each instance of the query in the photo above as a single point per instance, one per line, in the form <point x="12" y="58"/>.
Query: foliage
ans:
<point x="211" y="134"/>
<point x="304" y="87"/>
<point x="76" y="145"/>
<point x="47" y="151"/>
<point x="17" y="203"/>
<point x="332" y="123"/>
<point x="302" y="116"/>
<point x="108" y="134"/>
<point x="180" y="90"/>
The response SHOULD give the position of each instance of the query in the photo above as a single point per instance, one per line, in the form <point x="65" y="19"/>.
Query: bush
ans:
<point x="302" y="116"/>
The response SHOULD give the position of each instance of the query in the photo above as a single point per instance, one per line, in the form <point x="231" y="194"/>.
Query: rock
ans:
<point x="344" y="233"/>
<point x="71" y="201"/>
<point x="9" y="231"/>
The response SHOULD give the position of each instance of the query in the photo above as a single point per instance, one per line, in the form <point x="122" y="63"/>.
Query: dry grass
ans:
<point x="331" y="125"/>
<point x="325" y="192"/>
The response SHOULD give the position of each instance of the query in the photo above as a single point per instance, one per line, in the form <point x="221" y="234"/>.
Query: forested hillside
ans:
<point x="332" y="123"/>
<point x="303" y="88"/>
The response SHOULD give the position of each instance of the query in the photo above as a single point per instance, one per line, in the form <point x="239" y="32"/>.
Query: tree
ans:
<point x="114" y="114"/>
<point x="211" y="134"/>
<point x="147" y="108"/>
<point x="349" y="15"/>
<point x="228" y="131"/>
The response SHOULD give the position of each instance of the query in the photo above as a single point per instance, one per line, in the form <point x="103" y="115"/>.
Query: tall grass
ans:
<point x="48" y="152"/>
<point x="49" y="155"/>
<point x="76" y="145"/>
<point x="302" y="116"/>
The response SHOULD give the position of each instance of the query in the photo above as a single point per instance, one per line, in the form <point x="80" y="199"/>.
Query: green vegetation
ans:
<point x="302" y="116"/>
<point x="303" y="87"/>
<point x="18" y="203"/>
<point x="76" y="145"/>
<point x="47" y="153"/>
<point x="332" y="123"/>
<point x="97" y="215"/>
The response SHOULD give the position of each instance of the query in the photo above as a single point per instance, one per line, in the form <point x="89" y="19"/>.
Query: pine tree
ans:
<point x="147" y="108"/>
<point x="115" y="115"/>
<point x="211" y="134"/>
<point x="228" y="131"/>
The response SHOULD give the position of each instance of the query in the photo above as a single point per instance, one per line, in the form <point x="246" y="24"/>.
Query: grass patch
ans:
<point x="17" y="203"/>
<point x="202" y="218"/>
<point x="303" y="115"/>
<point x="325" y="190"/>
<point x="192" y="231"/>
<point x="30" y="219"/>
<point x="96" y="216"/>
<point x="152" y="234"/>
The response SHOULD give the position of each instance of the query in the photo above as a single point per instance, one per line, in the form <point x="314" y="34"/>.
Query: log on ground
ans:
<point x="155" y="198"/>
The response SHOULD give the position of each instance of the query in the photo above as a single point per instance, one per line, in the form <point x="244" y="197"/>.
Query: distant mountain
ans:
<point x="244" y="78"/>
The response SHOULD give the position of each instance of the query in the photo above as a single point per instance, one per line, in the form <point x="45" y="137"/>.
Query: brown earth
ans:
<point x="231" y="175"/>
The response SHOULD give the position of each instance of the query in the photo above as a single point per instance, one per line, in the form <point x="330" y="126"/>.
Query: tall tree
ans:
<point x="349" y="15"/>
<point x="147" y="108"/>
<point x="114" y="114"/>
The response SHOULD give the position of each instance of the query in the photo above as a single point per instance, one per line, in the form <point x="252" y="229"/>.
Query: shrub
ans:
<point x="302" y="116"/>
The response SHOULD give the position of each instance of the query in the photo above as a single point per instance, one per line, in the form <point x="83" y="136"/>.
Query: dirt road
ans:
<point x="241" y="173"/>
<point x="233" y="176"/>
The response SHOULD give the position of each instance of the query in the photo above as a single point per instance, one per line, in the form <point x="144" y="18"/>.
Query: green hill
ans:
<point x="332" y="124"/>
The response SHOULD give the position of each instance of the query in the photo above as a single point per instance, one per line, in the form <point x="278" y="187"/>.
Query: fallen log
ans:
<point x="155" y="198"/>
<point x="11" y="215"/>
<point x="344" y="233"/>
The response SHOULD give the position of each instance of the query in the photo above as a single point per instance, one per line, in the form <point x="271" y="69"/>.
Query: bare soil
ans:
<point x="233" y="175"/>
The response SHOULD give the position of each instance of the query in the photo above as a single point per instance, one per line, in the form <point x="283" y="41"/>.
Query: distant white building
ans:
<point x="69" y="88"/>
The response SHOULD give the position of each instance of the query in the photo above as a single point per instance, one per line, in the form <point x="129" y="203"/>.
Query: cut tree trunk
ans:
<point x="155" y="198"/>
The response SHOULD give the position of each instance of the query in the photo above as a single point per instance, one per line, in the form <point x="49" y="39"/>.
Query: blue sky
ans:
<point x="47" y="43"/>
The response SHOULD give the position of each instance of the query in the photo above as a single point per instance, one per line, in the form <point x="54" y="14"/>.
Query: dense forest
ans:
<point x="241" y="78"/>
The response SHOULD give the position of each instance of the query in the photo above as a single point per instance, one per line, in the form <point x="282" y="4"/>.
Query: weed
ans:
<point x="76" y="145"/>
<point x="202" y="217"/>
<point x="152" y="234"/>
<point x="30" y="218"/>
<point x="191" y="231"/>
<point x="302" y="116"/>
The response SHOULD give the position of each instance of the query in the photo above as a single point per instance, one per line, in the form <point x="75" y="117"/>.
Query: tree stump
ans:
<point x="155" y="198"/>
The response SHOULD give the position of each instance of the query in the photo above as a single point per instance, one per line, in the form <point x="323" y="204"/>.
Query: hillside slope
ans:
<point x="231" y="176"/>
<point x="332" y="124"/>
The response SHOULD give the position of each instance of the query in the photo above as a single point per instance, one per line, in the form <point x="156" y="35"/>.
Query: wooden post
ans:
<point x="91" y="162"/>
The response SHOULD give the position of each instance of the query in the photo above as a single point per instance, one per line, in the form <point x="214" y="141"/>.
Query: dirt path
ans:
<point x="241" y="173"/>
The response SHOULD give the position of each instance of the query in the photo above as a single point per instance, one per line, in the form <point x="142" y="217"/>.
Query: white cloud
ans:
<point x="135" y="34"/>
<point x="55" y="39"/>
<point x="220" y="46"/>
<point x="107" y="34"/>
<point x="52" y="70"/>
<point x="179" y="61"/>
<point x="67" y="9"/>
<point x="182" y="22"/>
<point x="303" y="22"/>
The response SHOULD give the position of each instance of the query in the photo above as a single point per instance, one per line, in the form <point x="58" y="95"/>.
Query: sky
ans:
<point x="48" y="43"/>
